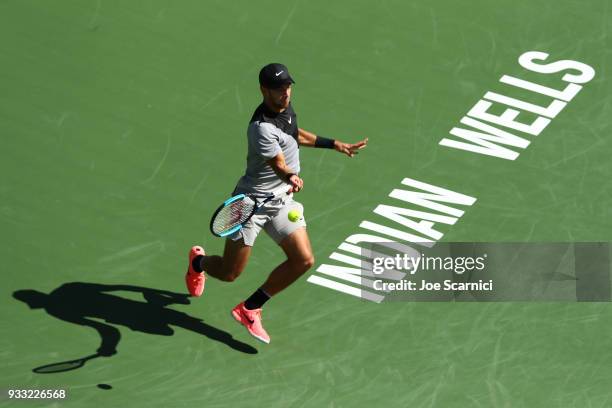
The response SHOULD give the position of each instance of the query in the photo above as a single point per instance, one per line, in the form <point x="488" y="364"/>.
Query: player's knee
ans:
<point x="304" y="264"/>
<point x="231" y="277"/>
<point x="231" y="274"/>
<point x="309" y="262"/>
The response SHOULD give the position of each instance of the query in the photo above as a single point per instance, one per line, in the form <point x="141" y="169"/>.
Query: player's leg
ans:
<point x="293" y="239"/>
<point x="226" y="268"/>
<point x="299" y="260"/>
<point x="229" y="266"/>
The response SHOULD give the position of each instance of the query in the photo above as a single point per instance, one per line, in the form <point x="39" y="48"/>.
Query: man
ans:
<point x="272" y="162"/>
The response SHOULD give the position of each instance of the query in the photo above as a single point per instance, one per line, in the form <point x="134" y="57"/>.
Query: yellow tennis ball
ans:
<point x="294" y="215"/>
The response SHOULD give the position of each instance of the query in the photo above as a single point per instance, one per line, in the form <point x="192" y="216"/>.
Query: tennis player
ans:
<point x="273" y="161"/>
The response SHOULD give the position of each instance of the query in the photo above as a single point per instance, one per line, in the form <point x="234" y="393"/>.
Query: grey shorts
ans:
<point x="273" y="218"/>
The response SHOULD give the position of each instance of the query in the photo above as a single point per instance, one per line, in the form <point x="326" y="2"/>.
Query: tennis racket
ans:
<point x="238" y="210"/>
<point x="64" y="365"/>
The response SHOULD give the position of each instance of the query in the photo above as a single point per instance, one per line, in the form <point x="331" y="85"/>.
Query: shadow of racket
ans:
<point x="64" y="365"/>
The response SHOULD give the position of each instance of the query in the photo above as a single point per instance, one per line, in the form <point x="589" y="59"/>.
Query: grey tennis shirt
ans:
<point x="269" y="133"/>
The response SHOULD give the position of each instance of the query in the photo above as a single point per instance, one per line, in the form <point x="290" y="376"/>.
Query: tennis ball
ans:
<point x="294" y="215"/>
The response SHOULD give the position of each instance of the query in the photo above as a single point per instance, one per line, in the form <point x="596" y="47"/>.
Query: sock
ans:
<point x="257" y="299"/>
<point x="197" y="263"/>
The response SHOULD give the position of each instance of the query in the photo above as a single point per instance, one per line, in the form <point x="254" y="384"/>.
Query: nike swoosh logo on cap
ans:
<point x="278" y="73"/>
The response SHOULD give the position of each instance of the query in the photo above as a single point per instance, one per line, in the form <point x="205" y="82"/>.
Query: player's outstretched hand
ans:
<point x="297" y="184"/>
<point x="350" y="149"/>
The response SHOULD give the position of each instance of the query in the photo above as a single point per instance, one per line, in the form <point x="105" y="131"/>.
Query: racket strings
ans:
<point x="232" y="215"/>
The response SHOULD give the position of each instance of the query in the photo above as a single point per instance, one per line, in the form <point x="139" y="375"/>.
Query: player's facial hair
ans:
<point x="273" y="99"/>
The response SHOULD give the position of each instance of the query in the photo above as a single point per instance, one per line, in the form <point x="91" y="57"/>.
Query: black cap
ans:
<point x="274" y="76"/>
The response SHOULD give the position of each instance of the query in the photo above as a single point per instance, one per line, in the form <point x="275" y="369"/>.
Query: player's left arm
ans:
<point x="309" y="139"/>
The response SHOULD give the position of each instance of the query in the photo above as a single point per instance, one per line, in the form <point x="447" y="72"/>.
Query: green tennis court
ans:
<point x="123" y="128"/>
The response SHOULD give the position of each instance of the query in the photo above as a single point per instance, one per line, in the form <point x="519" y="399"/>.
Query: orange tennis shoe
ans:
<point x="194" y="280"/>
<point x="251" y="319"/>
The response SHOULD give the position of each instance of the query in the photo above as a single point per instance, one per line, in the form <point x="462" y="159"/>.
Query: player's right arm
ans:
<point x="285" y="173"/>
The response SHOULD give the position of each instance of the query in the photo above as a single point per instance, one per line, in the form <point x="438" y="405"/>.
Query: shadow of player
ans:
<point x="80" y="303"/>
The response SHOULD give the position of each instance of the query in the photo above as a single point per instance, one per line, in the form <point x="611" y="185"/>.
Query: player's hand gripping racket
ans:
<point x="237" y="210"/>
